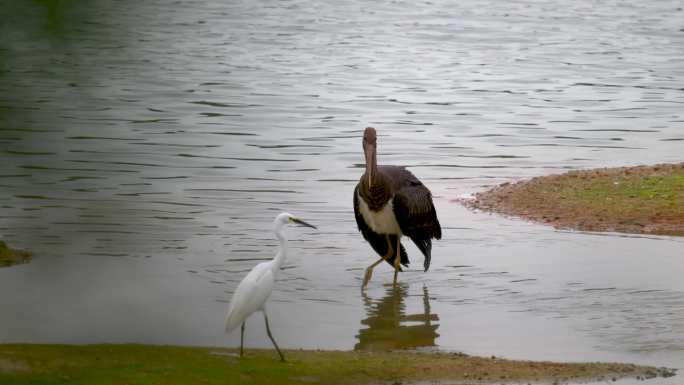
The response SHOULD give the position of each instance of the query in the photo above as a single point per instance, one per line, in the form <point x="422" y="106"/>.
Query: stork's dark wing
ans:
<point x="377" y="241"/>
<point x="416" y="215"/>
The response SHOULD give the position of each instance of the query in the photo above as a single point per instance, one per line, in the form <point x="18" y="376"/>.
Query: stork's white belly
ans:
<point x="382" y="221"/>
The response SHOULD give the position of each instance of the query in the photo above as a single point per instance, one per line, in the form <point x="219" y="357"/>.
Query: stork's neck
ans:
<point x="370" y="154"/>
<point x="371" y="175"/>
<point x="378" y="194"/>
<point x="375" y="187"/>
<point x="279" y="259"/>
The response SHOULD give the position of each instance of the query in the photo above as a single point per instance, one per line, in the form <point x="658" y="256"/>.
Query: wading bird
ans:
<point x="253" y="291"/>
<point x="389" y="201"/>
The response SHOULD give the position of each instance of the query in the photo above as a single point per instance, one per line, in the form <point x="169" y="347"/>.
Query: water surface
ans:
<point x="146" y="149"/>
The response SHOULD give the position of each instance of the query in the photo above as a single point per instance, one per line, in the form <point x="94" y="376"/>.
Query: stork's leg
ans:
<point x="397" y="260"/>
<point x="369" y="269"/>
<point x="268" y="331"/>
<point x="242" y="337"/>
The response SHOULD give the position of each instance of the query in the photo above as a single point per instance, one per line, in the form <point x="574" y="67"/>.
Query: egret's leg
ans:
<point x="369" y="269"/>
<point x="268" y="331"/>
<point x="242" y="337"/>
<point x="397" y="260"/>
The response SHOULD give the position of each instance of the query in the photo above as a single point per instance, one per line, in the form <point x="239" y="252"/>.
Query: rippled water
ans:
<point x="147" y="148"/>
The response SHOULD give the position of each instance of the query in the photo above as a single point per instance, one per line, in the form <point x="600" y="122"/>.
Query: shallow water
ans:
<point x="146" y="150"/>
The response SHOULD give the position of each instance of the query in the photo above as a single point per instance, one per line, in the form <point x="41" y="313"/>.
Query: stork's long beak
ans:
<point x="301" y="222"/>
<point x="369" y="152"/>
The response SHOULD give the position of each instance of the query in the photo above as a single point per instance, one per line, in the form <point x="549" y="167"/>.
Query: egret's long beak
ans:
<point x="301" y="222"/>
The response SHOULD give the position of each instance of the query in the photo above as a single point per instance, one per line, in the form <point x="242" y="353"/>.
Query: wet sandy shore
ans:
<point x="642" y="199"/>
<point x="108" y="364"/>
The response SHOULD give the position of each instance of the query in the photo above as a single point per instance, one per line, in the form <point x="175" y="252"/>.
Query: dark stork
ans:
<point x="389" y="201"/>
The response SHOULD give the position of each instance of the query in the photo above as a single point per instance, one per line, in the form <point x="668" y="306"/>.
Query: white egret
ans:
<point x="253" y="291"/>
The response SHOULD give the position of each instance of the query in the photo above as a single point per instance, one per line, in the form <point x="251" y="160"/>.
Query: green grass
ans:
<point x="144" y="364"/>
<point x="640" y="194"/>
<point x="9" y="256"/>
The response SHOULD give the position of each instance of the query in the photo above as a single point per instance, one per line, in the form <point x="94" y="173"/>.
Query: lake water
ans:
<point x="146" y="148"/>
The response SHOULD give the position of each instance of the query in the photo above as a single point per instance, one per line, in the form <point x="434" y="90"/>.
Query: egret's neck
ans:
<point x="282" y="251"/>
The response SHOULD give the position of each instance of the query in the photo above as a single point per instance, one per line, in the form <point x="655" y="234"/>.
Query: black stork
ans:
<point x="389" y="201"/>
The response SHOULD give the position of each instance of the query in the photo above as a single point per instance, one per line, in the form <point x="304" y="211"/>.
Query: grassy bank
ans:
<point x="143" y="364"/>
<point x="9" y="256"/>
<point x="644" y="199"/>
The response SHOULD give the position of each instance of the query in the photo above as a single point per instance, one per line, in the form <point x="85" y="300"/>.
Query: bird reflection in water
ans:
<point x="388" y="326"/>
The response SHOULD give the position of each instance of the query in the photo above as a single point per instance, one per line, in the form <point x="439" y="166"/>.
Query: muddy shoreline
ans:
<point x="640" y="199"/>
<point x="94" y="364"/>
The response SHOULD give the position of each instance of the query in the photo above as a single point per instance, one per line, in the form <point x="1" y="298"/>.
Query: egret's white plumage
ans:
<point x="253" y="291"/>
<point x="251" y="294"/>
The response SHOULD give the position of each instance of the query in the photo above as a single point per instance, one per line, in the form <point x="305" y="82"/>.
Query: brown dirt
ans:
<point x="642" y="199"/>
<point x="123" y="364"/>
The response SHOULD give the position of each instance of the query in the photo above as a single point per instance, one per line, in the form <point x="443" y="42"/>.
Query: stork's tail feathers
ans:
<point x="425" y="246"/>
<point x="426" y="262"/>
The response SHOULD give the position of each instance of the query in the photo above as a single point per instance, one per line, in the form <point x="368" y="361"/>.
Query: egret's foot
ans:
<point x="242" y="339"/>
<point x="268" y="331"/>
